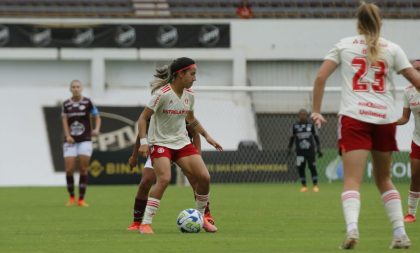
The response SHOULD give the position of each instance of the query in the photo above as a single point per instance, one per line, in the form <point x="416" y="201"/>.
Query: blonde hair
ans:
<point x="162" y="76"/>
<point x="369" y="24"/>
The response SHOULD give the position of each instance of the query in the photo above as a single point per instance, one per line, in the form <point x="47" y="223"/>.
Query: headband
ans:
<point x="187" y="67"/>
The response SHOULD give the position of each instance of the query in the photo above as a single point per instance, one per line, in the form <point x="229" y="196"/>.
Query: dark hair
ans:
<point x="165" y="74"/>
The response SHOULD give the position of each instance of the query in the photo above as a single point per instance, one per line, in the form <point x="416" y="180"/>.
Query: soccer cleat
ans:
<point x="351" y="239"/>
<point x="303" y="189"/>
<point x="402" y="242"/>
<point x="82" y="203"/>
<point x="71" y="201"/>
<point x="315" y="188"/>
<point x="208" y="227"/>
<point x="146" y="229"/>
<point x="209" y="218"/>
<point x="409" y="218"/>
<point x="134" y="226"/>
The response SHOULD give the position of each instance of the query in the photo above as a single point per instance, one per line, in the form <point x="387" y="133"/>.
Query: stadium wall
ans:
<point x="33" y="78"/>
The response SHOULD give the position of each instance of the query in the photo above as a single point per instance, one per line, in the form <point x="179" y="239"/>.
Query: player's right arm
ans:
<point x="327" y="68"/>
<point x="291" y="141"/>
<point x="405" y="117"/>
<point x="142" y="125"/>
<point x="66" y="128"/>
<point x="132" y="161"/>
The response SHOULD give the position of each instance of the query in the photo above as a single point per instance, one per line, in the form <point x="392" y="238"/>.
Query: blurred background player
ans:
<point x="303" y="135"/>
<point x="149" y="178"/>
<point x="172" y="104"/>
<point x="77" y="113"/>
<point x="412" y="105"/>
<point x="367" y="123"/>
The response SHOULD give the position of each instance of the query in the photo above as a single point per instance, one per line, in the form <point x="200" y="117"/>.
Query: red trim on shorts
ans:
<point x="359" y="135"/>
<point x="415" y="151"/>
<point x="174" y="155"/>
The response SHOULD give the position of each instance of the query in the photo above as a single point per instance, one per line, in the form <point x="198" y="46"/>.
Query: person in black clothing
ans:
<point x="305" y="137"/>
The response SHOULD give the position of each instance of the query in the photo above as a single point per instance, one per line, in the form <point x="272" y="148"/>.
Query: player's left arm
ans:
<point x="196" y="139"/>
<point x="94" y="113"/>
<point x="405" y="117"/>
<point x="198" y="128"/>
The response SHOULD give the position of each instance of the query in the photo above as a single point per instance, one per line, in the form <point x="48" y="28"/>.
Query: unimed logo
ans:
<point x="121" y="136"/>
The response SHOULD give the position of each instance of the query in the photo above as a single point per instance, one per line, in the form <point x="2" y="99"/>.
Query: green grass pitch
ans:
<point x="250" y="217"/>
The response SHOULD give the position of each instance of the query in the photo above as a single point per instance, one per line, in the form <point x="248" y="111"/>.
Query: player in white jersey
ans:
<point x="367" y="119"/>
<point x="412" y="105"/>
<point x="172" y="104"/>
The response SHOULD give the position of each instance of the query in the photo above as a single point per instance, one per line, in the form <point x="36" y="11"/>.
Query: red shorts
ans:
<point x="173" y="154"/>
<point x="415" y="151"/>
<point x="354" y="134"/>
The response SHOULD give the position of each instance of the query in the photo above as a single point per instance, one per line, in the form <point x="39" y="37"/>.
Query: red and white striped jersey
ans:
<point x="167" y="126"/>
<point x="368" y="91"/>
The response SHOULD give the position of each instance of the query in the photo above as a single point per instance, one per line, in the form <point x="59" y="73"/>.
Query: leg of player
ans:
<point x="301" y="166"/>
<point x="314" y="172"/>
<point x="148" y="178"/>
<point x="83" y="181"/>
<point x="70" y="165"/>
<point x="194" y="165"/>
<point x="354" y="163"/>
<point x="162" y="169"/>
<point x="193" y="182"/>
<point x="414" y="193"/>
<point x="391" y="197"/>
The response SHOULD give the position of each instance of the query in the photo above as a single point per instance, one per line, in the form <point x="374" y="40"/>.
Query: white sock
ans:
<point x="351" y="208"/>
<point x="413" y="201"/>
<point x="201" y="202"/>
<point x="151" y="209"/>
<point x="392" y="203"/>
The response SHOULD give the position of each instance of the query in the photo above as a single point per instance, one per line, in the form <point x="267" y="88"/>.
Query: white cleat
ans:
<point x="351" y="239"/>
<point x="402" y="242"/>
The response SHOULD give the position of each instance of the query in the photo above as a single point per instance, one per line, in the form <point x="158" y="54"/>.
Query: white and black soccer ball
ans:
<point x="190" y="221"/>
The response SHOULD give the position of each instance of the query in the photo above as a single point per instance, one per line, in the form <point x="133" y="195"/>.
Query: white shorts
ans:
<point x="148" y="164"/>
<point x="81" y="148"/>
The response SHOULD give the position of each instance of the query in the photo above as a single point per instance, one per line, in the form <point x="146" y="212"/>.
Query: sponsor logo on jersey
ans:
<point x="175" y="112"/>
<point x="373" y="114"/>
<point x="372" y="105"/>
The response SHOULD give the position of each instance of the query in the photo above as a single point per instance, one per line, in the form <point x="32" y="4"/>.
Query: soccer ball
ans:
<point x="190" y="221"/>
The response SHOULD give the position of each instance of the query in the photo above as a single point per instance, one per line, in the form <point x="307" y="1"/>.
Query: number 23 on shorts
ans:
<point x="380" y="70"/>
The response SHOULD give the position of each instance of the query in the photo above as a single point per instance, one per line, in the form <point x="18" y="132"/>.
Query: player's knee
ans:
<point x="163" y="181"/>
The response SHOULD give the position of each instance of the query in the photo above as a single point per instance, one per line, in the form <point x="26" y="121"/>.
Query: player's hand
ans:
<point x="320" y="154"/>
<point x="69" y="139"/>
<point x="318" y="119"/>
<point x="132" y="161"/>
<point x="144" y="150"/>
<point x="214" y="143"/>
<point x="95" y="132"/>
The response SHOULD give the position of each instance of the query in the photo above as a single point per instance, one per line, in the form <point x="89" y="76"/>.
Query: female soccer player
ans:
<point x="304" y="136"/>
<point x="412" y="104"/>
<point x="148" y="179"/>
<point x="77" y="112"/>
<point x="171" y="105"/>
<point x="366" y="116"/>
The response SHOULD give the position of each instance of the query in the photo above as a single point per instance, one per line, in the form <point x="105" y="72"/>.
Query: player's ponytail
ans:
<point x="369" y="24"/>
<point x="162" y="77"/>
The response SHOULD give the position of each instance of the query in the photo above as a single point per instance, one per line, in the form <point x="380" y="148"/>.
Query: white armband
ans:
<point x="143" y="141"/>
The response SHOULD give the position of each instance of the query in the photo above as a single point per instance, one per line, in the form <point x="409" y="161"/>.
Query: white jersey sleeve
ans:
<point x="155" y="101"/>
<point x="401" y="61"/>
<point x="334" y="54"/>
